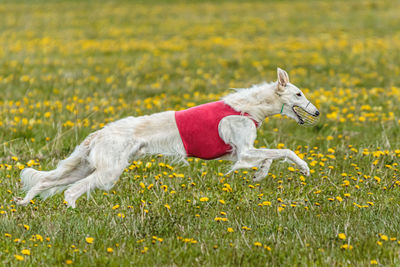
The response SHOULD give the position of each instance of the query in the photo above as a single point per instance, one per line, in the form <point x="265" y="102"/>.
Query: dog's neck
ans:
<point x="259" y="101"/>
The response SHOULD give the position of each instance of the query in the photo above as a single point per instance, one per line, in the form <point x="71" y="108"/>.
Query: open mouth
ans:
<point x="305" y="118"/>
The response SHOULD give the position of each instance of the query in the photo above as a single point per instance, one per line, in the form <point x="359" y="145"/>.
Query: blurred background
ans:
<point x="71" y="66"/>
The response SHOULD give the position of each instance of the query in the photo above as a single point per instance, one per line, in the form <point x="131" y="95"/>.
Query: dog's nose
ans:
<point x="317" y="113"/>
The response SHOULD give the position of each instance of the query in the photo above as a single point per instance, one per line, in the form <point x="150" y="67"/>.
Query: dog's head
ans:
<point x="294" y="103"/>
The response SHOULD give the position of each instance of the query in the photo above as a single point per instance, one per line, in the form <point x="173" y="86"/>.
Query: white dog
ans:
<point x="224" y="129"/>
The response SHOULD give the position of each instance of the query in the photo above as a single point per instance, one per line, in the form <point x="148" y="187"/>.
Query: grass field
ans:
<point x="68" y="68"/>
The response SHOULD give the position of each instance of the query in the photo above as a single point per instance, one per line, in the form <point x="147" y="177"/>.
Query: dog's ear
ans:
<point x="283" y="79"/>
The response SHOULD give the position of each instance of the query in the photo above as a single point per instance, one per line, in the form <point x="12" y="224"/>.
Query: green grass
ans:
<point x="67" y="68"/>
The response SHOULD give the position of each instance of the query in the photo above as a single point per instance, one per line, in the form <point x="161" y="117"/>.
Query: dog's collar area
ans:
<point x="282" y="108"/>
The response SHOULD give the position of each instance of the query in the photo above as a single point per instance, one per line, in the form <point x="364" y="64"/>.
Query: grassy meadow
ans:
<point x="69" y="67"/>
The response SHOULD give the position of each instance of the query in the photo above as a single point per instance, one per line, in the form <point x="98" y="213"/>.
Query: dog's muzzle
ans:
<point x="306" y="118"/>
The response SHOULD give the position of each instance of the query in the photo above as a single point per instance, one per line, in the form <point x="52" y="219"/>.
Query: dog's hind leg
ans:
<point x="30" y="177"/>
<point x="93" y="181"/>
<point x="109" y="166"/>
<point x="47" y="183"/>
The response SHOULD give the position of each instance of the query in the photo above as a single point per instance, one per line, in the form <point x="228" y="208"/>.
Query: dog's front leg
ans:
<point x="271" y="154"/>
<point x="289" y="154"/>
<point x="240" y="133"/>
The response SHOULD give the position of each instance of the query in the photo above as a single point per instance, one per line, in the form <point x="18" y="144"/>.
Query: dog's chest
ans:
<point x="198" y="128"/>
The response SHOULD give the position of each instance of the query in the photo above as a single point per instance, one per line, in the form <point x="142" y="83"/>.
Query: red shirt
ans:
<point x="198" y="128"/>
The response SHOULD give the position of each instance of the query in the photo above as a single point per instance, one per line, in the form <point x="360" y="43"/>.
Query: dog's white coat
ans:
<point x="101" y="158"/>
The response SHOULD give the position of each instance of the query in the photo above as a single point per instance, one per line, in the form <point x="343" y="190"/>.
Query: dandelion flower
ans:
<point x="280" y="146"/>
<point x="39" y="237"/>
<point x="257" y="244"/>
<point x="345" y="246"/>
<point x="342" y="236"/>
<point x="26" y="252"/>
<point x="19" y="257"/>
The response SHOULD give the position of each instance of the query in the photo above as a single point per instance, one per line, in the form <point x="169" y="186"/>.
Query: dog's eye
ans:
<point x="298" y="94"/>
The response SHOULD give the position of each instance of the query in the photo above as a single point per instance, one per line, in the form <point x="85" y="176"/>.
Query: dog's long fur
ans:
<point x="101" y="158"/>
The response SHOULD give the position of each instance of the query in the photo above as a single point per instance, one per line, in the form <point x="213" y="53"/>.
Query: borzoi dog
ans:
<point x="224" y="129"/>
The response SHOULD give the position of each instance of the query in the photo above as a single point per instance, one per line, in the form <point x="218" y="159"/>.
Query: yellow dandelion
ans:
<point x="89" y="240"/>
<point x="26" y="252"/>
<point x="204" y="199"/>
<point x="39" y="237"/>
<point x="257" y="244"/>
<point x="19" y="257"/>
<point x="345" y="246"/>
<point x="342" y="236"/>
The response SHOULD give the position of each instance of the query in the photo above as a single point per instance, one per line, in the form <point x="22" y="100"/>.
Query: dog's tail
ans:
<point x="70" y="167"/>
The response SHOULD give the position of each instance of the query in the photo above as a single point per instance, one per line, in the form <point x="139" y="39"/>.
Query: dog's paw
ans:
<point x="70" y="204"/>
<point x="304" y="169"/>
<point x="258" y="178"/>
<point x="69" y="201"/>
<point x="20" y="201"/>
<point x="17" y="199"/>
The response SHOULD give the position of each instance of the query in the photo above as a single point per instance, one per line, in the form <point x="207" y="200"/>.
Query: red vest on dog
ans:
<point x="198" y="128"/>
